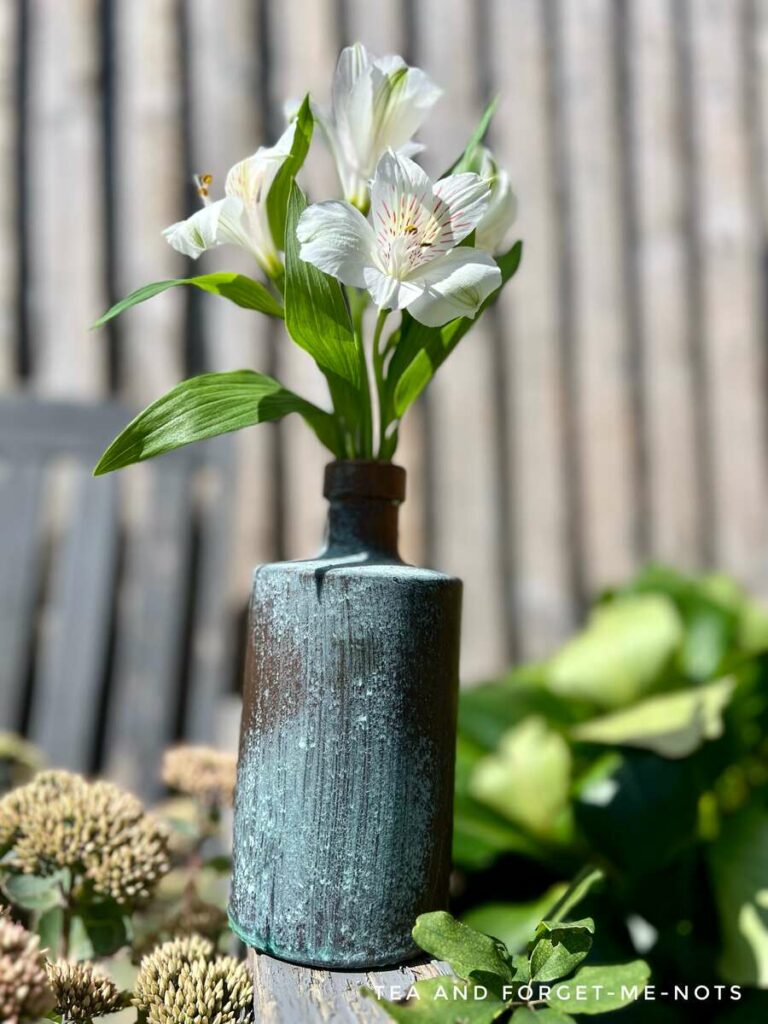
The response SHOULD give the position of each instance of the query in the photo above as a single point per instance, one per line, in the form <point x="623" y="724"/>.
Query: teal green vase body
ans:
<point x="343" y="811"/>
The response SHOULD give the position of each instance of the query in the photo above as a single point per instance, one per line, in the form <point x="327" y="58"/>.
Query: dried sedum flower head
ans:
<point x="24" y="990"/>
<point x="181" y="982"/>
<point x="60" y="820"/>
<point x="83" y="991"/>
<point x="201" y="772"/>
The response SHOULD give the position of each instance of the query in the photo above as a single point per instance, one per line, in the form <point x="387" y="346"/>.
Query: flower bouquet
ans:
<point x="431" y="252"/>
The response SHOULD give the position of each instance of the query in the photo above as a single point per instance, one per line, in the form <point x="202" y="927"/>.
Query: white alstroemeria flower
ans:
<point x="492" y="230"/>
<point x="410" y="258"/>
<point x="377" y="104"/>
<point x="241" y="217"/>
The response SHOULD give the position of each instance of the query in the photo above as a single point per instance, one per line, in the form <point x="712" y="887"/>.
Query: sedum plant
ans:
<point x="426" y="258"/>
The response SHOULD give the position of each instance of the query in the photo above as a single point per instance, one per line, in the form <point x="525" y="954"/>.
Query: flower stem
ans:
<point x="378" y="371"/>
<point x="357" y="303"/>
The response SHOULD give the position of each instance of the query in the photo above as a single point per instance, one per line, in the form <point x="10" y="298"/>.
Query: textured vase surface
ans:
<point x="343" y="812"/>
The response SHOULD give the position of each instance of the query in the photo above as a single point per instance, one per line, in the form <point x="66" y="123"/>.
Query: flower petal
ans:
<point x="402" y="98"/>
<point x="466" y="197"/>
<point x="201" y="231"/>
<point x="390" y="292"/>
<point x="398" y="182"/>
<point x="251" y="179"/>
<point x="337" y="239"/>
<point x="455" y="284"/>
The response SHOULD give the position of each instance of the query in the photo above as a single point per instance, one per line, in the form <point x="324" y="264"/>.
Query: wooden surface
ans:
<point x="613" y="410"/>
<point x="117" y="630"/>
<point x="286" y="994"/>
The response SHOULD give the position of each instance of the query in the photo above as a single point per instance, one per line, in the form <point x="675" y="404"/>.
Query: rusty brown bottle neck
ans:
<point x="365" y="499"/>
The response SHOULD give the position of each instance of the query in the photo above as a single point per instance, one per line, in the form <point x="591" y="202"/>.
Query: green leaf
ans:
<point x="277" y="197"/>
<point x="422" y="350"/>
<point x="214" y="403"/>
<point x="480" y="835"/>
<point x="621" y="654"/>
<point x="49" y="927"/>
<point x="738" y="863"/>
<point x="31" y="892"/>
<point x="528" y="778"/>
<point x="540" y="1015"/>
<point x="604" y="988"/>
<point x="512" y="923"/>
<point x="466" y="161"/>
<point x="560" y="947"/>
<point x="641" y="810"/>
<point x="672" y="724"/>
<point x="466" y="950"/>
<point x="238" y="288"/>
<point x="581" y="886"/>
<point x="99" y="929"/>
<point x="316" y="314"/>
<point x="441" y="1001"/>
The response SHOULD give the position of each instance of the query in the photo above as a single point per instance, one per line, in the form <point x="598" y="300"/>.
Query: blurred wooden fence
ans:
<point x="614" y="407"/>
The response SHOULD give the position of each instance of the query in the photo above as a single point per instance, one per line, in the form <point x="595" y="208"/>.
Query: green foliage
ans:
<point x="238" y="288"/>
<point x="492" y="982"/>
<point x="422" y="350"/>
<point x="277" y="200"/>
<point x="640" y="746"/>
<point x="205" y="406"/>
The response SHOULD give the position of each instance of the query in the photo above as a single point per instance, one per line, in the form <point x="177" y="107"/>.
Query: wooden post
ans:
<point x="284" y="993"/>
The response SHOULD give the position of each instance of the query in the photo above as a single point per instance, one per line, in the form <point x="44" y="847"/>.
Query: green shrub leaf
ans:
<point x="621" y="654"/>
<point x="738" y="863"/>
<point x="441" y="1001"/>
<point x="280" y="190"/>
<point x="512" y="923"/>
<point x="671" y="725"/>
<point x="33" y="892"/>
<point x="316" y="314"/>
<point x="238" y="288"/>
<point x="214" y="403"/>
<point x="527" y="778"/>
<point x="466" y="950"/>
<point x="540" y="1015"/>
<point x="605" y="988"/>
<point x="560" y="947"/>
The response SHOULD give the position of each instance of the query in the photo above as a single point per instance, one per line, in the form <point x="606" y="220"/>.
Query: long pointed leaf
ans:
<point x="422" y="350"/>
<point x="280" y="190"/>
<point x="214" y="403"/>
<point x="465" y="160"/>
<point x="316" y="314"/>
<point x="238" y="288"/>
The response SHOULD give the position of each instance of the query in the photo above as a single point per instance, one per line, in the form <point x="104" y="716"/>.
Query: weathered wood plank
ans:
<point x="40" y="428"/>
<point x="72" y="659"/>
<point x="152" y="615"/>
<point x="731" y="255"/>
<point x="463" y="419"/>
<point x="597" y="330"/>
<point x="10" y="58"/>
<point x="227" y="126"/>
<point x="543" y="608"/>
<point x="20" y="558"/>
<point x="213" y="641"/>
<point x="285" y="993"/>
<point x="66" y="197"/>
<point x="304" y="47"/>
<point x="150" y="192"/>
<point x="661" y="263"/>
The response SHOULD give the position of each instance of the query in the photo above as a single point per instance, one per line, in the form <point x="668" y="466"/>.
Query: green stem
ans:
<point x="378" y="371"/>
<point x="357" y="304"/>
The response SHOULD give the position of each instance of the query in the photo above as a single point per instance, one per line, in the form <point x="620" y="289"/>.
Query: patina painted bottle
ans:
<point x="343" y="813"/>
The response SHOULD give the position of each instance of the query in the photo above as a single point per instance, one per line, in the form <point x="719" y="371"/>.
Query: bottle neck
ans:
<point x="364" y="498"/>
<point x="360" y="526"/>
